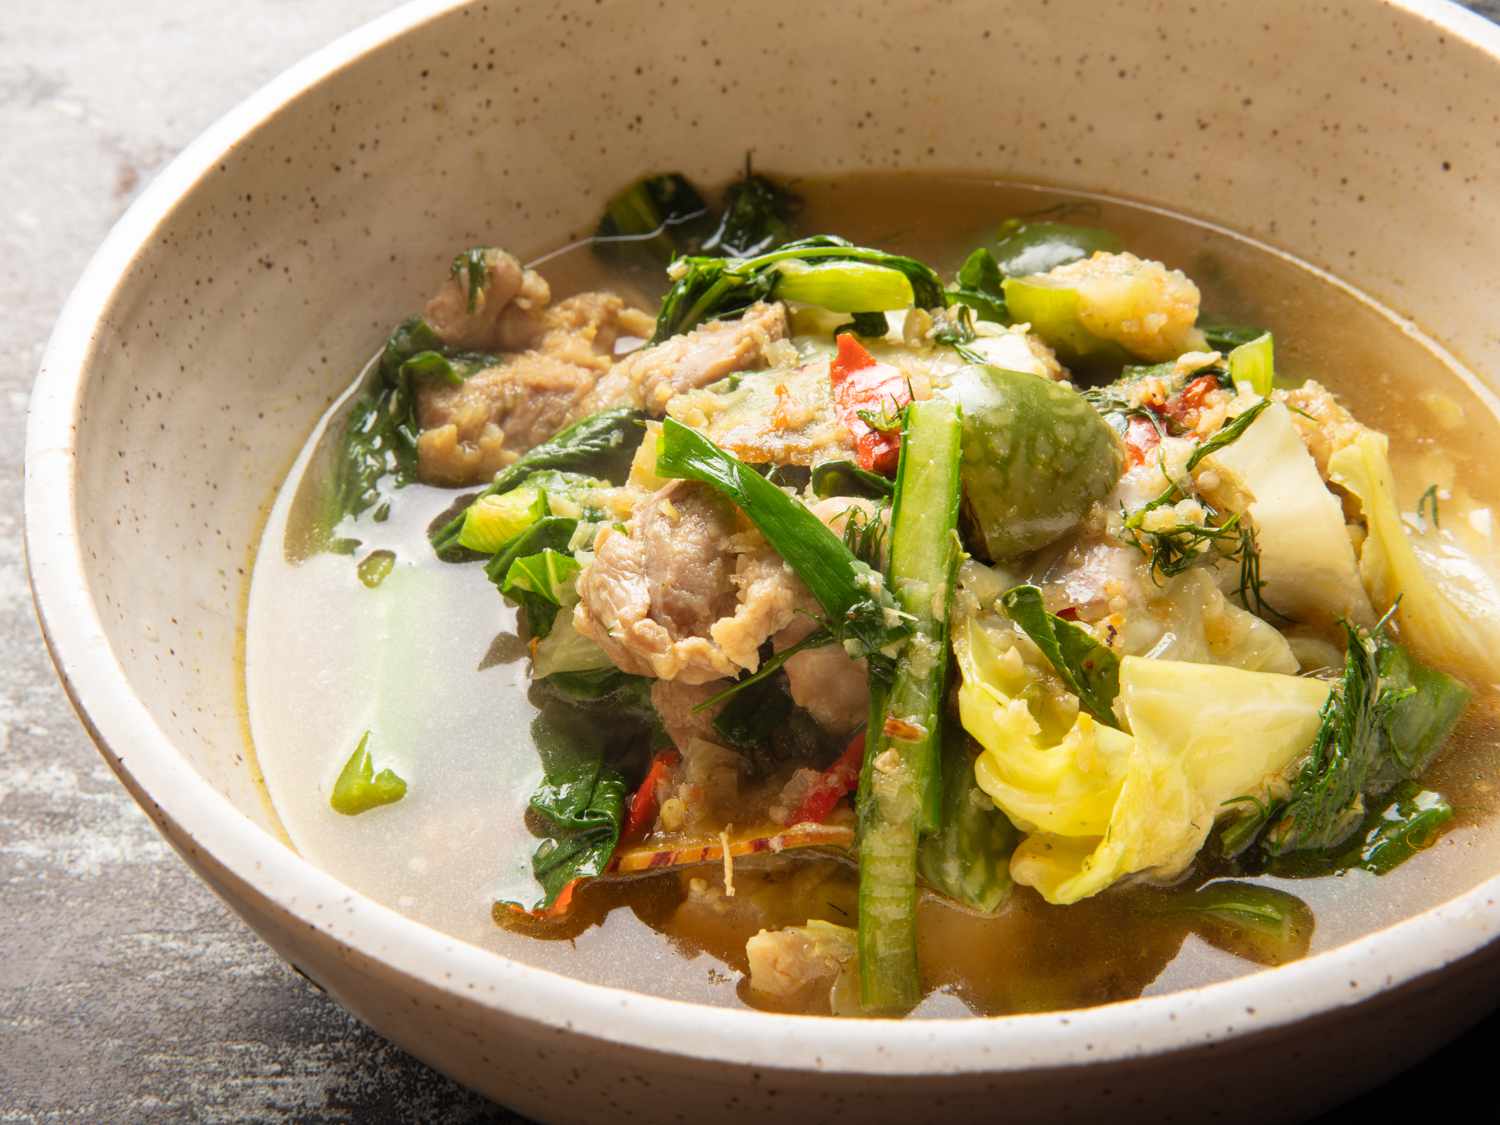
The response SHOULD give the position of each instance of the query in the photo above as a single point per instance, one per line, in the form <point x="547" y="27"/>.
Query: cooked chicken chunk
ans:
<point x="648" y="379"/>
<point x="826" y="682"/>
<point x="792" y="965"/>
<point x="685" y="591"/>
<point x="675" y="701"/>
<point x="779" y="417"/>
<point x="557" y="364"/>
<point x="504" y="316"/>
<point x="471" y="431"/>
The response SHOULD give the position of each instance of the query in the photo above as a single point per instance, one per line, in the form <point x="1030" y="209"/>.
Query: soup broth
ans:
<point x="435" y="663"/>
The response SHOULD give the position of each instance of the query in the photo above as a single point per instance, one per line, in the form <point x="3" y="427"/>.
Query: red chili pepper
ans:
<point x="837" y="780"/>
<point x="560" y="905"/>
<point x="642" y="813"/>
<point x="862" y="384"/>
<point x="1191" y="397"/>
<point x="1141" y="437"/>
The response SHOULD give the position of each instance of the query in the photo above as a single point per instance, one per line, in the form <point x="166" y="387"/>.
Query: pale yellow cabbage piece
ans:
<point x="1098" y="804"/>
<point x="1198" y="623"/>
<point x="1464" y="639"/>
<point x="1306" y="560"/>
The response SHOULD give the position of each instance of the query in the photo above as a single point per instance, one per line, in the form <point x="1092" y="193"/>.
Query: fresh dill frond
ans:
<point x="1430" y="497"/>
<point x="864" y="534"/>
<point x="1228" y="434"/>
<point x="471" y="267"/>
<point x="1250" y="581"/>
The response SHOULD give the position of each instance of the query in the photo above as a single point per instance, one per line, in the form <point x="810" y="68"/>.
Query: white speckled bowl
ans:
<point x="239" y="292"/>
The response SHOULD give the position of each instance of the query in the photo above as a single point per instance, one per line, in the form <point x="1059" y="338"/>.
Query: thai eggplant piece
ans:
<point x="1026" y="577"/>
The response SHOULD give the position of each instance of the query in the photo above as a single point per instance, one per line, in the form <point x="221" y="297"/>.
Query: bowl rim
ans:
<point x="201" y="822"/>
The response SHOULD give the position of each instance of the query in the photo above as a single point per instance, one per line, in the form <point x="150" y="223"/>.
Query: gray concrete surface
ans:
<point x="128" y="992"/>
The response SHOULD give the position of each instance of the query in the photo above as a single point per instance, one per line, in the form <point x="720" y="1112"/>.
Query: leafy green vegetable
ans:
<point x="979" y="287"/>
<point x="861" y="613"/>
<point x="359" y="788"/>
<point x="586" y="445"/>
<point x="1091" y="670"/>
<point x="844" y="286"/>
<point x="766" y="725"/>
<point x="900" y="787"/>
<point x="1254" y="363"/>
<point x="1266" y="925"/>
<point x="411" y="337"/>
<point x="451" y="367"/>
<point x="540" y="584"/>
<point x="598" y="688"/>
<point x="757" y="217"/>
<point x="657" y="216"/>
<point x="1408" y="820"/>
<point x="1024" y="248"/>
<point x="869" y="324"/>
<point x="579" y="805"/>
<point x="1226" y="337"/>
<point x="719" y="288"/>
<point x="968" y="857"/>
<point x="377" y="451"/>
<point x="379" y="442"/>
<point x="375" y="568"/>
<point x="493" y="522"/>
<point x="1413" y="819"/>
<point x="845" y="478"/>
<point x="471" y="270"/>
<point x="549" y="532"/>
<point x="1326" y="801"/>
<point x="1383" y="723"/>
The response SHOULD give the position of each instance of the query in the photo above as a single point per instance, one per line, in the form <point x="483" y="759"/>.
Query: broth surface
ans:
<point x="454" y="715"/>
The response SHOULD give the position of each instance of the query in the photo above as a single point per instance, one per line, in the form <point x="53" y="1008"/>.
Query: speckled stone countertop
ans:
<point x="128" y="992"/>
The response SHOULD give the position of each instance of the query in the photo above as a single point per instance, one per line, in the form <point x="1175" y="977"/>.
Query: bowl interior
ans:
<point x="261" y="273"/>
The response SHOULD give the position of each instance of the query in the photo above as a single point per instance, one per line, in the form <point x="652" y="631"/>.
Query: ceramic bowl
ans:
<point x="234" y="299"/>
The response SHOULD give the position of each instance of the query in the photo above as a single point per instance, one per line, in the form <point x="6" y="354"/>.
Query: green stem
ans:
<point x="900" y="792"/>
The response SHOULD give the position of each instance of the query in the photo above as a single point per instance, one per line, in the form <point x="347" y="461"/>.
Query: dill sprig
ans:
<point x="1430" y="497"/>
<point x="1174" y="548"/>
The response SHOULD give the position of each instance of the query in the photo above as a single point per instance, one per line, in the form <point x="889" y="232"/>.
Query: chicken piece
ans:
<point x="686" y="591"/>
<point x="506" y="314"/>
<point x="648" y="379"/>
<point x="826" y="682"/>
<point x="778" y="417"/>
<point x="675" y="701"/>
<point x="472" y="430"/>
<point x="789" y="967"/>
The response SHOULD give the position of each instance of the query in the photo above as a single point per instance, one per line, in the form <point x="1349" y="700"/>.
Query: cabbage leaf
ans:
<point x="1098" y="804"/>
<point x="1465" y="639"/>
<point x="1307" y="564"/>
